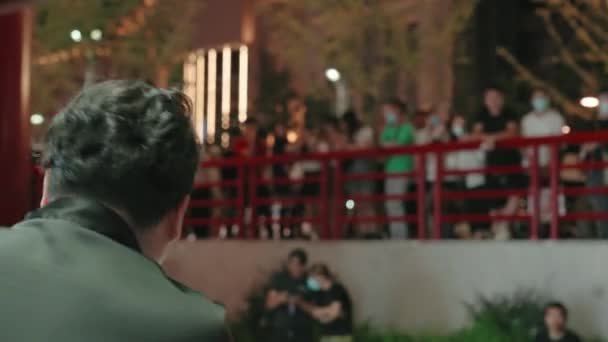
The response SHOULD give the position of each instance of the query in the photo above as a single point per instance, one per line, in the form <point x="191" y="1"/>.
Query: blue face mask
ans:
<point x="540" y="104"/>
<point x="435" y="121"/>
<point x="313" y="284"/>
<point x="391" y="118"/>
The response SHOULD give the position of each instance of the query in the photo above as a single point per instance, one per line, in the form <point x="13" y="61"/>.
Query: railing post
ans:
<point x="252" y="200"/>
<point x="534" y="194"/>
<point x="324" y="203"/>
<point x="240" y="197"/>
<point x="420" y="195"/>
<point x="437" y="196"/>
<point x="554" y="198"/>
<point x="338" y="225"/>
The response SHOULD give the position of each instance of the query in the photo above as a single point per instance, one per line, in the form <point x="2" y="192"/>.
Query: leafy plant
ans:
<point x="502" y="318"/>
<point x="518" y="315"/>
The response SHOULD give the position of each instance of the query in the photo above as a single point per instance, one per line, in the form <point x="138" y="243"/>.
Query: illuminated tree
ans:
<point x="143" y="39"/>
<point x="375" y="44"/>
<point x="578" y="31"/>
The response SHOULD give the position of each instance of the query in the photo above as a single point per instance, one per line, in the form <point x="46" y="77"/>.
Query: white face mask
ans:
<point x="458" y="131"/>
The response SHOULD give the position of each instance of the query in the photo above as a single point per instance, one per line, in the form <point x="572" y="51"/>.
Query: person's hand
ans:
<point x="488" y="144"/>
<point x="275" y="298"/>
<point x="293" y="300"/>
<point x="322" y="316"/>
<point x="282" y="297"/>
<point x="437" y="132"/>
<point x="588" y="147"/>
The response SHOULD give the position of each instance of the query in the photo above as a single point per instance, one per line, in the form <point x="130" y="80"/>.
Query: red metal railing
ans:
<point x="241" y="192"/>
<point x="331" y="218"/>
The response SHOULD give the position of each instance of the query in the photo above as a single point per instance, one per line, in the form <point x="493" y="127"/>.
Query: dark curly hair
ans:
<point x="127" y="144"/>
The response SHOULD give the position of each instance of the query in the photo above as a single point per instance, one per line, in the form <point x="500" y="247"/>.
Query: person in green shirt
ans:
<point x="397" y="131"/>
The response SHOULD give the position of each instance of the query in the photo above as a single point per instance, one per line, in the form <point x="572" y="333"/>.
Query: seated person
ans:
<point x="287" y="320"/>
<point x="556" y="316"/>
<point x="333" y="309"/>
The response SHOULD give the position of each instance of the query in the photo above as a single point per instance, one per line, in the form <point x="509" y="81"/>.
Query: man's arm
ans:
<point x="477" y="130"/>
<point x="511" y="131"/>
<point x="275" y="298"/>
<point x="328" y="313"/>
<point x="324" y="314"/>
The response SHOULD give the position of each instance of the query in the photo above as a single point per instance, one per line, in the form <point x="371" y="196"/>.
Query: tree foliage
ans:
<point x="141" y="39"/>
<point x="373" y="43"/>
<point x="578" y="31"/>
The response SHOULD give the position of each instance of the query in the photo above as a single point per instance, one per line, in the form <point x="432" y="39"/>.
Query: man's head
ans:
<point x="556" y="316"/>
<point x="494" y="100"/>
<point x="250" y="129"/>
<point x="393" y="111"/>
<point x="131" y="146"/>
<point x="320" y="274"/>
<point x="540" y="100"/>
<point x="296" y="263"/>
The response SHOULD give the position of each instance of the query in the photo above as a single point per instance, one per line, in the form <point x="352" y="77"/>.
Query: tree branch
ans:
<point x="527" y="75"/>
<point x="588" y="79"/>
<point x="581" y="24"/>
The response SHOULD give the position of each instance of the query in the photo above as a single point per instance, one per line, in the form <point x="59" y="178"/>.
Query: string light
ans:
<point x="243" y="79"/>
<point x="226" y="69"/>
<point x="199" y="102"/>
<point x="211" y="94"/>
<point x="189" y="76"/>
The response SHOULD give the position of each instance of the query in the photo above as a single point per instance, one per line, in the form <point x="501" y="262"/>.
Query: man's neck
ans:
<point x="556" y="335"/>
<point x="150" y="245"/>
<point x="495" y="113"/>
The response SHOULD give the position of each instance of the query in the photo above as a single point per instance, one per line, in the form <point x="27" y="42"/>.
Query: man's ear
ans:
<point x="45" y="195"/>
<point x="178" y="221"/>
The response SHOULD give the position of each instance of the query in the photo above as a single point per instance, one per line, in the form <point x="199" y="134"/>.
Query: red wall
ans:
<point x="15" y="168"/>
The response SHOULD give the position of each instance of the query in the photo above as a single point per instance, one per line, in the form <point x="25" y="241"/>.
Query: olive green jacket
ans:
<point x="73" y="271"/>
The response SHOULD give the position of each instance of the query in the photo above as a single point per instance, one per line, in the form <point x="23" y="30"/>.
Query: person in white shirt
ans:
<point x="542" y="121"/>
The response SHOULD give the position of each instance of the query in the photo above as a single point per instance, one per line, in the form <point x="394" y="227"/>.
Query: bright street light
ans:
<point x="37" y="119"/>
<point x="350" y="204"/>
<point x="76" y="35"/>
<point x="332" y="74"/>
<point x="590" y="102"/>
<point x="96" y="34"/>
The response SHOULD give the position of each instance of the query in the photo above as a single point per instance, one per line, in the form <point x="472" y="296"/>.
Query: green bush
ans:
<point x="503" y="318"/>
<point x="515" y="316"/>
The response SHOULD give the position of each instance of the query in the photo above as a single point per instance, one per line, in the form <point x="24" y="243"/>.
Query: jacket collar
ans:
<point x="91" y="215"/>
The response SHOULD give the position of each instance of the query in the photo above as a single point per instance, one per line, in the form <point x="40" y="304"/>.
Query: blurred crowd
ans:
<point x="397" y="125"/>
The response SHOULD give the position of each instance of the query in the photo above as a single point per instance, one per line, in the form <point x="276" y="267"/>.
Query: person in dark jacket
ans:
<point x="119" y="166"/>
<point x="334" y="308"/>
<point x="556" y="317"/>
<point x="287" y="322"/>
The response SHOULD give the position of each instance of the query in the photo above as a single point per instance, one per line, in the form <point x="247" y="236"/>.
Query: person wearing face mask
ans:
<point x="593" y="151"/>
<point x="397" y="131"/>
<point x="333" y="307"/>
<point x="542" y="121"/>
